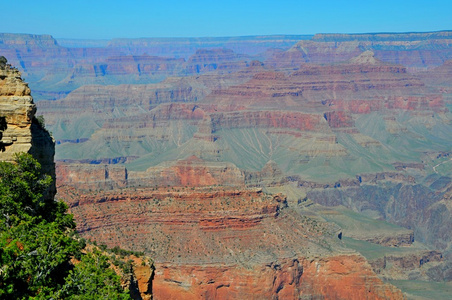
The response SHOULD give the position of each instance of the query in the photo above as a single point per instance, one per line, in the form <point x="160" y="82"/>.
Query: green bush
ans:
<point x="38" y="240"/>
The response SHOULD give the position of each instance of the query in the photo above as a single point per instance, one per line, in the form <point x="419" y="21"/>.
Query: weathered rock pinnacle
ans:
<point x="20" y="131"/>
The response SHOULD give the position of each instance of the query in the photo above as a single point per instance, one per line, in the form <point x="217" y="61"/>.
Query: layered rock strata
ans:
<point x="339" y="277"/>
<point x="414" y="50"/>
<point x="212" y="242"/>
<point x="336" y="132"/>
<point x="20" y="131"/>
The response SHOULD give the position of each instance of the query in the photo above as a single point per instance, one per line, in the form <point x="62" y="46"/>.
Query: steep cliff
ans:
<point x="20" y="130"/>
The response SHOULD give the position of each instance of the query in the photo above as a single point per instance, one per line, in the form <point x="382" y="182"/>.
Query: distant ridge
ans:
<point x="83" y="43"/>
<point x="382" y="36"/>
<point x="27" y="39"/>
<point x="205" y="40"/>
<point x="152" y="41"/>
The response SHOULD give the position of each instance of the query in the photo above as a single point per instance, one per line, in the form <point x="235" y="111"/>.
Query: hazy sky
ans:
<point x="197" y="18"/>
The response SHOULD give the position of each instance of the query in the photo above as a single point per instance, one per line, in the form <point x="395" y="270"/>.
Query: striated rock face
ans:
<point x="339" y="277"/>
<point x="414" y="50"/>
<point x="426" y="211"/>
<point x="54" y="69"/>
<point x="158" y="210"/>
<point x="19" y="129"/>
<point x="305" y="112"/>
<point x="362" y="77"/>
<point x="362" y="132"/>
<point x="216" y="242"/>
<point x="191" y="172"/>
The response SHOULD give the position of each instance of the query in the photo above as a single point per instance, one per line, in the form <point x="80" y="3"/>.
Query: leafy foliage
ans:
<point x="92" y="279"/>
<point x="38" y="240"/>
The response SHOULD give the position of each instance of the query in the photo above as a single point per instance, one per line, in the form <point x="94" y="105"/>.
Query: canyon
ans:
<point x="320" y="169"/>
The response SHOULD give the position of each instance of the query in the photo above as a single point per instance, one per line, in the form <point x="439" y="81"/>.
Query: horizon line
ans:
<point x="232" y="36"/>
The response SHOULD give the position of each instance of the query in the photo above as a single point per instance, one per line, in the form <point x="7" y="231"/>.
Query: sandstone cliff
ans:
<point x="20" y="131"/>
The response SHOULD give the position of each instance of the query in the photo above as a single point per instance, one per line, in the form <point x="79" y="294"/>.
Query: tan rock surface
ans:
<point x="19" y="130"/>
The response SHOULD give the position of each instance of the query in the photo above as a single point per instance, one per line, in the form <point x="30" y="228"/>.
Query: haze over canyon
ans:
<point x="261" y="167"/>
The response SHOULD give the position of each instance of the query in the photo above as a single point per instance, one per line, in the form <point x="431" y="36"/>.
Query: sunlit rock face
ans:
<point x="19" y="129"/>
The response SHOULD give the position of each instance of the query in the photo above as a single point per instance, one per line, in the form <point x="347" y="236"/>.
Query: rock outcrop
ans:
<point x="205" y="60"/>
<point x="414" y="266"/>
<point x="339" y="277"/>
<point x="20" y="130"/>
<point x="190" y="172"/>
<point x="420" y="208"/>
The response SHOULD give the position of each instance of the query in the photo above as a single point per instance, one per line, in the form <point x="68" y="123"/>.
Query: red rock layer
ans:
<point x="306" y="87"/>
<point x="192" y="172"/>
<point x="220" y="243"/>
<point x="409" y="103"/>
<point x="336" y="277"/>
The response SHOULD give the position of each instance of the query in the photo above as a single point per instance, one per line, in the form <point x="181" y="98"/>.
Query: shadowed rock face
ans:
<point x="424" y="210"/>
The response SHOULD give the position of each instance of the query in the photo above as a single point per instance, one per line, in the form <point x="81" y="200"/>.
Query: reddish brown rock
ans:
<point x="191" y="172"/>
<point x="225" y="242"/>
<point x="341" y="277"/>
<point x="311" y="85"/>
<point x="408" y="103"/>
<point x="338" y="119"/>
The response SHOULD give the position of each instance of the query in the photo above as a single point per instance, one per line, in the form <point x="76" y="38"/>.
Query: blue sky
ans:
<point x="100" y="19"/>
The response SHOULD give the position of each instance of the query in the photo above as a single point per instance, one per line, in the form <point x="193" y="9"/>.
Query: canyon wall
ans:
<point x="417" y="51"/>
<point x="259" y="174"/>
